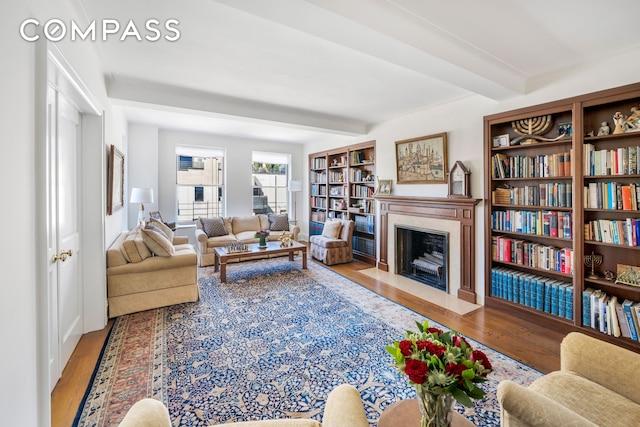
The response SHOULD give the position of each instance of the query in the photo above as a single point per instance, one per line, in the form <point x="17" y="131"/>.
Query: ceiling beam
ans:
<point x="141" y="92"/>
<point x="392" y="33"/>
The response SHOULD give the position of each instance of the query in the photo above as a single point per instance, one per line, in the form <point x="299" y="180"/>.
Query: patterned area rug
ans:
<point x="270" y="343"/>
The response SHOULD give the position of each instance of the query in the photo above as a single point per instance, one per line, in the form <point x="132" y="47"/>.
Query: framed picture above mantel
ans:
<point x="422" y="160"/>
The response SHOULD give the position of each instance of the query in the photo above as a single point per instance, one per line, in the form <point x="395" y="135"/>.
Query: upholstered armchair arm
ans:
<point x="613" y="367"/>
<point x="201" y="237"/>
<point x="180" y="240"/>
<point x="295" y="230"/>
<point x="147" y="413"/>
<point x="344" y="408"/>
<point x="523" y="407"/>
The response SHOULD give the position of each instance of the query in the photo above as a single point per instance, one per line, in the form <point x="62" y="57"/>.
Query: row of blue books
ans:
<point x="537" y="292"/>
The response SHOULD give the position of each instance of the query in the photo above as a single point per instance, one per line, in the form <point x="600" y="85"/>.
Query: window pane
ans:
<point x="270" y="187"/>
<point x="199" y="187"/>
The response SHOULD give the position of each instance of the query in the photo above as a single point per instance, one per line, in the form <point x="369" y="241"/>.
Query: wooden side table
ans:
<point x="405" y="413"/>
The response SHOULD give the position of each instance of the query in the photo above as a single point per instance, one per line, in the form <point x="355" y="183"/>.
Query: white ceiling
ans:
<point x="295" y="70"/>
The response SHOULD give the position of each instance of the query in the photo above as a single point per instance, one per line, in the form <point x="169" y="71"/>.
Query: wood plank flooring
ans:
<point x="529" y="343"/>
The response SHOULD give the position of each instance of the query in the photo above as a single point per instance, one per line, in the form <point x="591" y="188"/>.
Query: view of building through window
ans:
<point x="200" y="186"/>
<point x="270" y="174"/>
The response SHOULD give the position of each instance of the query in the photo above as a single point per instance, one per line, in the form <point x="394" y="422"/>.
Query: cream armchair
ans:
<point x="334" y="245"/>
<point x="343" y="409"/>
<point x="597" y="385"/>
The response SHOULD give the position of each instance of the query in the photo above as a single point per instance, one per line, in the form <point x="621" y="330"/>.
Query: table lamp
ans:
<point x="142" y="196"/>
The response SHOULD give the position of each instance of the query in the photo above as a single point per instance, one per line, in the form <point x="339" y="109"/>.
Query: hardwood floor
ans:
<point x="529" y="343"/>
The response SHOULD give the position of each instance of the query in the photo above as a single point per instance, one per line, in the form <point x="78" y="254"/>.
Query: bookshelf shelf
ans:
<point x="350" y="173"/>
<point x="603" y="171"/>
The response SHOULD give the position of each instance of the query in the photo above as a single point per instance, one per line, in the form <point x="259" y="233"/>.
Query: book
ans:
<point x="613" y="316"/>
<point x="622" y="318"/>
<point x="586" y="306"/>
<point x="631" y="319"/>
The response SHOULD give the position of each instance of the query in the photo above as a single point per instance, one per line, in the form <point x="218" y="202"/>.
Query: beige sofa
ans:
<point x="236" y="228"/>
<point x="598" y="385"/>
<point x="343" y="409"/>
<point x="138" y="280"/>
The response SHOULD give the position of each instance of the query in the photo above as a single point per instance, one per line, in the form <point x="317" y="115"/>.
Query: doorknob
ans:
<point x="62" y="256"/>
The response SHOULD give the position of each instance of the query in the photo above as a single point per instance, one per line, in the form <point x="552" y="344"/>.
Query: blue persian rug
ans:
<point x="272" y="342"/>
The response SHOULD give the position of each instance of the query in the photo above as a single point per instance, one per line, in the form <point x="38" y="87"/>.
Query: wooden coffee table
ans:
<point x="222" y="256"/>
<point x="405" y="413"/>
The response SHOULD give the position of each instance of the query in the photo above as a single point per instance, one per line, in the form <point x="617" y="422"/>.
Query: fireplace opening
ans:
<point x="423" y="255"/>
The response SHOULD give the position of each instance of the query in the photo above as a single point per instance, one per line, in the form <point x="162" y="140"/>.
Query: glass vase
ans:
<point x="435" y="409"/>
<point x="263" y="242"/>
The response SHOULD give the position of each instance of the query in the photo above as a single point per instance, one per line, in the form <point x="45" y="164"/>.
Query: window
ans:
<point x="270" y="173"/>
<point x="200" y="185"/>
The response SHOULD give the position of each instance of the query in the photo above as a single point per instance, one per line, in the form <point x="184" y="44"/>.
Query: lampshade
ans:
<point x="295" y="186"/>
<point x="141" y="195"/>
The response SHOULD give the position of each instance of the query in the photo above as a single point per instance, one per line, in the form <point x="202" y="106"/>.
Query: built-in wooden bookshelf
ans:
<point x="549" y="199"/>
<point x="342" y="183"/>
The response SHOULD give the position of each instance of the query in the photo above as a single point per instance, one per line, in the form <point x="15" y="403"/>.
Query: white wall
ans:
<point x="142" y="169"/>
<point x="463" y="122"/>
<point x="24" y="396"/>
<point x="238" y="182"/>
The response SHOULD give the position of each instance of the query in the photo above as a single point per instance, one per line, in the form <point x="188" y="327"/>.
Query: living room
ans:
<point x="147" y="147"/>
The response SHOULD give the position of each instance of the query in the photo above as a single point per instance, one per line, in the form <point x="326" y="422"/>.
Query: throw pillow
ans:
<point x="133" y="247"/>
<point x="332" y="229"/>
<point x="164" y="227"/>
<point x="157" y="243"/>
<point x="214" y="227"/>
<point x="278" y="222"/>
<point x="158" y="230"/>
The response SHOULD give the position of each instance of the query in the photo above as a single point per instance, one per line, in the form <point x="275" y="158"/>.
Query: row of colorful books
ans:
<point x="540" y="223"/>
<point x="612" y="196"/>
<point x="624" y="232"/>
<point x="619" y="161"/>
<point x="319" y="202"/>
<point x="537" y="292"/>
<point x="606" y="314"/>
<point x="317" y="177"/>
<point x="358" y="190"/>
<point x="543" y="165"/>
<point x="319" y="163"/>
<point x="365" y="224"/>
<point x="549" y="194"/>
<point x="532" y="254"/>
<point x="318" y="190"/>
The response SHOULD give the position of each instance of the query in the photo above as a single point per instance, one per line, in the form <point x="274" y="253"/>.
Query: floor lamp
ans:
<point x="295" y="187"/>
<point x="142" y="196"/>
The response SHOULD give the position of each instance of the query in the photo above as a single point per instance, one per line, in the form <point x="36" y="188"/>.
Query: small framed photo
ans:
<point x="501" y="140"/>
<point x="565" y="129"/>
<point x="384" y="187"/>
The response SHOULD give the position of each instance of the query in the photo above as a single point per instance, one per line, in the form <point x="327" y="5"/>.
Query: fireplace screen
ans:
<point x="423" y="255"/>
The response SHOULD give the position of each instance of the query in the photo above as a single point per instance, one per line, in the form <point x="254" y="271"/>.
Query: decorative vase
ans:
<point x="263" y="242"/>
<point x="435" y="408"/>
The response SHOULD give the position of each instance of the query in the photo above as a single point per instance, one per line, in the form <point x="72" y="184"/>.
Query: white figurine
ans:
<point x="604" y="129"/>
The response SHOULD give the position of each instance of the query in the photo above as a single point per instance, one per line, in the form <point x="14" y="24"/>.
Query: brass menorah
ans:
<point x="592" y="261"/>
<point x="531" y="130"/>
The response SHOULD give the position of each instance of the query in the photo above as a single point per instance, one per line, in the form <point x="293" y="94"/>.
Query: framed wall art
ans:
<point x="422" y="160"/>
<point x="384" y="187"/>
<point x="115" y="185"/>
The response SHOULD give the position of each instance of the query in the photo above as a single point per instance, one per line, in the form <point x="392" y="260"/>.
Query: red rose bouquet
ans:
<point x="441" y="363"/>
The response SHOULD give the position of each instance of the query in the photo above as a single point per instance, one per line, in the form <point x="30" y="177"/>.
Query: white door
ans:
<point x="65" y="285"/>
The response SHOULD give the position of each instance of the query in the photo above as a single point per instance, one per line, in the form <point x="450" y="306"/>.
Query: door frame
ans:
<point x="51" y="68"/>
